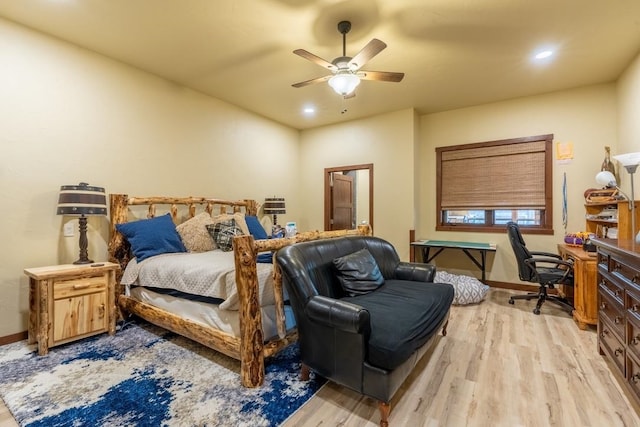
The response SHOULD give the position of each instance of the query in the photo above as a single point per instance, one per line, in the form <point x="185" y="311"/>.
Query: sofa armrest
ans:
<point x="338" y="314"/>
<point x="414" y="271"/>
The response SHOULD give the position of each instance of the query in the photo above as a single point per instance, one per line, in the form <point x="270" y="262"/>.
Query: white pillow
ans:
<point x="467" y="290"/>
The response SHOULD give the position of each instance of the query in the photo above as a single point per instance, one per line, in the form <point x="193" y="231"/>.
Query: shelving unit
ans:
<point x="622" y="222"/>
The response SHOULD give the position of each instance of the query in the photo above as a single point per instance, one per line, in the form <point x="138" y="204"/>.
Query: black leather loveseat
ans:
<point x="368" y="342"/>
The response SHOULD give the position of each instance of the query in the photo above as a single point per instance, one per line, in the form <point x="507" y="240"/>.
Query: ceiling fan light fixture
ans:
<point x="344" y="83"/>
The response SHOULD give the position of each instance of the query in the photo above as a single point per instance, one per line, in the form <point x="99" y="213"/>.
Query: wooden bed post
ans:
<point x="251" y="335"/>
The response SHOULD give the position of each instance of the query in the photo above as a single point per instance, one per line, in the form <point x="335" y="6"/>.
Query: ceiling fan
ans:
<point x="346" y="71"/>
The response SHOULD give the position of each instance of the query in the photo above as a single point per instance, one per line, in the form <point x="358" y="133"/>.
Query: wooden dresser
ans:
<point x="619" y="309"/>
<point x="585" y="285"/>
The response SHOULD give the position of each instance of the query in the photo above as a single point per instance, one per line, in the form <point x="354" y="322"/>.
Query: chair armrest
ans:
<point x="545" y="254"/>
<point x="557" y="262"/>
<point x="338" y="314"/>
<point x="414" y="271"/>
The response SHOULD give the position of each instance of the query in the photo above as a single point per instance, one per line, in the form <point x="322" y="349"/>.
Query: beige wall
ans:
<point x="586" y="117"/>
<point x="628" y="95"/>
<point x="386" y="141"/>
<point x="68" y="115"/>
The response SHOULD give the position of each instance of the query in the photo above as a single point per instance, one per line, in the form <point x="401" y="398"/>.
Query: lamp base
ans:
<point x="84" y="253"/>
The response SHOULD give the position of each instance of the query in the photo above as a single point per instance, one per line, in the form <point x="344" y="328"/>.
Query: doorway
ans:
<point x="348" y="196"/>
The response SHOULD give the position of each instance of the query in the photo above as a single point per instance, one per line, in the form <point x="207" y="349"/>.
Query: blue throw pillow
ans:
<point x="154" y="236"/>
<point x="255" y="228"/>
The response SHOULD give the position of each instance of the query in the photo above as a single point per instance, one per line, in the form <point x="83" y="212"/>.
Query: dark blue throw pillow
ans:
<point x="255" y="228"/>
<point x="154" y="236"/>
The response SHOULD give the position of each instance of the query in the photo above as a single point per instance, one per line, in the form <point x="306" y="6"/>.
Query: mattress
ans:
<point x="210" y="315"/>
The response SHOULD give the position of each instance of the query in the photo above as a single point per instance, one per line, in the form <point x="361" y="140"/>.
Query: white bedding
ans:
<point x="209" y="274"/>
<point x="210" y="315"/>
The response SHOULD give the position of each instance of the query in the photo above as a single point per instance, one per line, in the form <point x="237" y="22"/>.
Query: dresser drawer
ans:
<point x="633" y="374"/>
<point x="611" y="344"/>
<point x="632" y="303"/>
<point x="613" y="287"/>
<point x="621" y="269"/>
<point x="75" y="287"/>
<point x="633" y="335"/>
<point x="612" y="311"/>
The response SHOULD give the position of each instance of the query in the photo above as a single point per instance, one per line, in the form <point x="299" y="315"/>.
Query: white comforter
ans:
<point x="210" y="274"/>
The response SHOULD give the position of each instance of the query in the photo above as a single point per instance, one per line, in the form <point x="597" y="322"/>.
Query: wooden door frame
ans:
<point x="327" y="190"/>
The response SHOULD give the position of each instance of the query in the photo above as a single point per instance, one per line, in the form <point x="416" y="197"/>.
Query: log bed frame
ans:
<point x="250" y="348"/>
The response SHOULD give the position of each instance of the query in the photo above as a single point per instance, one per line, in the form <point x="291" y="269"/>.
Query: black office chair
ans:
<point x="544" y="268"/>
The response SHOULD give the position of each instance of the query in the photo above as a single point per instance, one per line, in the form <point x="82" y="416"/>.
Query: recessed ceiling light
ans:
<point x="309" y="110"/>
<point x="544" y="54"/>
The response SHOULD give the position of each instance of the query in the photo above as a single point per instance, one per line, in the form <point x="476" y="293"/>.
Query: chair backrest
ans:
<point x="521" y="252"/>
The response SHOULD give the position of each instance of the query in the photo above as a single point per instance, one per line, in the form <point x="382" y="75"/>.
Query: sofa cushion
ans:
<point x="403" y="316"/>
<point x="358" y="272"/>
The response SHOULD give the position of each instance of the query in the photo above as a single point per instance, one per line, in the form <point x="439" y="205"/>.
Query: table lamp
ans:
<point x="274" y="206"/>
<point x="82" y="200"/>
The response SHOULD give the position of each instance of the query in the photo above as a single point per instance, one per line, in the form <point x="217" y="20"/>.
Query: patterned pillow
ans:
<point x="223" y="233"/>
<point x="194" y="233"/>
<point x="467" y="290"/>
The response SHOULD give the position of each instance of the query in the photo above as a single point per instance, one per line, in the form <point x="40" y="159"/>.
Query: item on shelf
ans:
<point x="277" y="232"/>
<point x="291" y="229"/>
<point x="577" y="239"/>
<point x="607" y="164"/>
<point x="603" y="195"/>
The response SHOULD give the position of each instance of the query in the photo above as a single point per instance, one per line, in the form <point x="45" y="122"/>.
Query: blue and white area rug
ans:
<point x="146" y="376"/>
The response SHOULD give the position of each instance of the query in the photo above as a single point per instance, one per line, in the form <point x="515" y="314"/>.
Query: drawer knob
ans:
<point x="617" y="266"/>
<point x="635" y="378"/>
<point x="617" y="292"/>
<point x="81" y="286"/>
<point x="635" y="340"/>
<point x="603" y="305"/>
<point x="618" y="352"/>
<point x="617" y="320"/>
<point x="635" y="308"/>
<point x="604" y="333"/>
<point x="635" y="279"/>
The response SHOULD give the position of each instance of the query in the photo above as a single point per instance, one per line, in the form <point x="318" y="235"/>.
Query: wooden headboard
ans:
<point x="180" y="208"/>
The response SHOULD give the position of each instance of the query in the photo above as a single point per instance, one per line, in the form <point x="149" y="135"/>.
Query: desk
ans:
<point x="465" y="247"/>
<point x="585" y="284"/>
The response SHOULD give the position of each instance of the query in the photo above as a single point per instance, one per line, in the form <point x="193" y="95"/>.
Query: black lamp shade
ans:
<point x="82" y="199"/>
<point x="274" y="206"/>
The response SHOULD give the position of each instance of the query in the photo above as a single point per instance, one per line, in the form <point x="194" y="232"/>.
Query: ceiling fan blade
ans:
<point x="315" y="59"/>
<point x="351" y="95"/>
<point x="372" y="48"/>
<point x="312" y="81"/>
<point x="381" y="76"/>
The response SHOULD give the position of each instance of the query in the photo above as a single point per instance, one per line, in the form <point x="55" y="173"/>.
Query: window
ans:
<point x="482" y="186"/>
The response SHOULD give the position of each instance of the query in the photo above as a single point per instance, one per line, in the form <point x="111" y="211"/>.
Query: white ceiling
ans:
<point x="454" y="53"/>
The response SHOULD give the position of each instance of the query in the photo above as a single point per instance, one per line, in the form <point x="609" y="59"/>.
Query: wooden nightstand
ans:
<point x="70" y="302"/>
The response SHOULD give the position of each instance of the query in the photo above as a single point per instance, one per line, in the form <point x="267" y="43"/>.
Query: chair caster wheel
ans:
<point x="536" y="311"/>
<point x="511" y="301"/>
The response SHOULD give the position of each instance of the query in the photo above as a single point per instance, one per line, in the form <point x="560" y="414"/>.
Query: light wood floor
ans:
<point x="499" y="365"/>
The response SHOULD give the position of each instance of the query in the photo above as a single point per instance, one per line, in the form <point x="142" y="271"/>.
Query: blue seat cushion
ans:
<point x="403" y="316"/>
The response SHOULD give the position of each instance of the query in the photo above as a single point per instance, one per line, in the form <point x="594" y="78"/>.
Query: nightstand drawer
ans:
<point x="80" y="286"/>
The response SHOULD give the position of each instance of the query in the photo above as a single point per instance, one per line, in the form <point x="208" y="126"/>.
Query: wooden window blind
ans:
<point x="506" y="174"/>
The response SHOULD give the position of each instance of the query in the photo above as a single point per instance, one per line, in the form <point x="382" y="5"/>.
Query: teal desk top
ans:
<point x="454" y="244"/>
